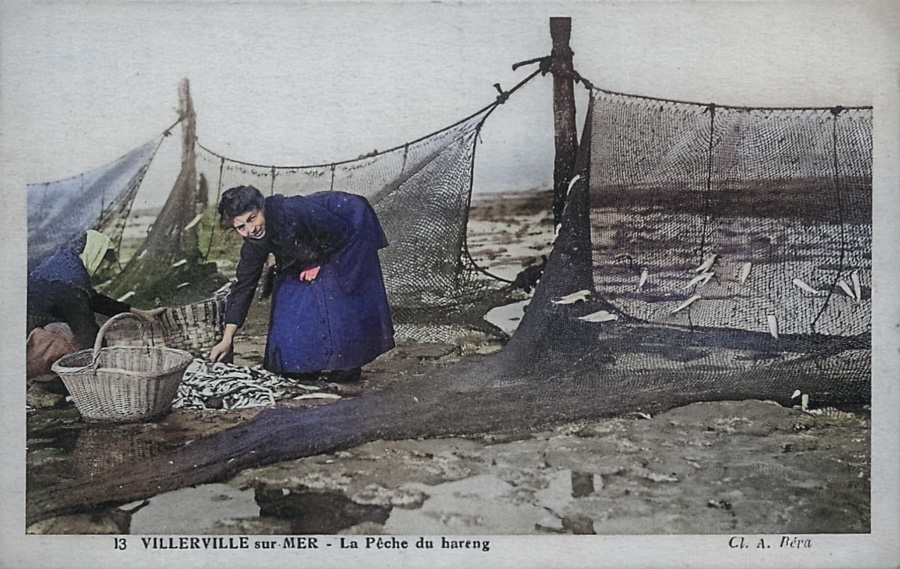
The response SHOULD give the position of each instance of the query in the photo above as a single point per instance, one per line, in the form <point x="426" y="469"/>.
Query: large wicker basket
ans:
<point x="122" y="384"/>
<point x="196" y="327"/>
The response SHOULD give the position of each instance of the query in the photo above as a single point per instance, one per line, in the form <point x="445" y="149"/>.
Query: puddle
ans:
<point x="61" y="447"/>
<point x="213" y="508"/>
<point x="615" y="476"/>
<point x="192" y="511"/>
<point x="582" y="484"/>
<point x="317" y="512"/>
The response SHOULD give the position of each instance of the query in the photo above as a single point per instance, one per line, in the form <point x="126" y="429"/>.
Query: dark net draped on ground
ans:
<point x="100" y="199"/>
<point x="421" y="192"/>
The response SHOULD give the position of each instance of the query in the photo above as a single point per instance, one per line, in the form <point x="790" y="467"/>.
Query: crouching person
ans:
<point x="61" y="303"/>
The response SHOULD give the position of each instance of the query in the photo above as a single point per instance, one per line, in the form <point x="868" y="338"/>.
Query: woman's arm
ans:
<point x="75" y="309"/>
<point x="247" y="274"/>
<point x="349" y="227"/>
<point x="107" y="306"/>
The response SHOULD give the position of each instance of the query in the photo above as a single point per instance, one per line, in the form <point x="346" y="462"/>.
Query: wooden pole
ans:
<point x="169" y="241"/>
<point x="563" y="112"/>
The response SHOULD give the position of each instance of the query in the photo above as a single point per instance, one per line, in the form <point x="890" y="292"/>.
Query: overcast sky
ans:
<point x="299" y="83"/>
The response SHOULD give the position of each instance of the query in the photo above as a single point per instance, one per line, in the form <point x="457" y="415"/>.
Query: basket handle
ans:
<point x="98" y="343"/>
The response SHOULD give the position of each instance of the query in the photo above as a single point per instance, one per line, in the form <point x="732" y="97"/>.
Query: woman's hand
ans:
<point x="149" y="315"/>
<point x="221" y="350"/>
<point x="225" y="347"/>
<point x="310" y="274"/>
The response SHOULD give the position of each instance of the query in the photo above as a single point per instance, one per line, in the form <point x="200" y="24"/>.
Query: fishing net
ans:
<point x="778" y="201"/>
<point x="720" y="252"/>
<point x="421" y="192"/>
<point x="98" y="199"/>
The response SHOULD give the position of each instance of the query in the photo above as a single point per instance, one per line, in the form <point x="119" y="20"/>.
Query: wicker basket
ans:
<point x="122" y="384"/>
<point x="195" y="328"/>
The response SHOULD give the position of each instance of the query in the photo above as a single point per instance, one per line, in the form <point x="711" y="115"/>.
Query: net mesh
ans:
<point x="722" y="252"/>
<point x="779" y="200"/>
<point x="98" y="199"/>
<point x="421" y="192"/>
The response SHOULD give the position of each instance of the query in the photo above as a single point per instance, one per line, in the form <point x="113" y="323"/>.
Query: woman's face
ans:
<point x="250" y="225"/>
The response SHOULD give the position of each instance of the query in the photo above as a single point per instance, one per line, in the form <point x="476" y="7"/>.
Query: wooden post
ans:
<point x="169" y="241"/>
<point x="563" y="112"/>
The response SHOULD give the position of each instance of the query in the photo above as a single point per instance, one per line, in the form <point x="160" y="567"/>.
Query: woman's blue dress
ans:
<point x="341" y="320"/>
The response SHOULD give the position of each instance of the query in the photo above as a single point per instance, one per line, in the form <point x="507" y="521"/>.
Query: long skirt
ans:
<point x="341" y="320"/>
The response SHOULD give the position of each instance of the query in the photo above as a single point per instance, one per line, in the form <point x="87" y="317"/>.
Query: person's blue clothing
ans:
<point x="60" y="290"/>
<point x="65" y="266"/>
<point x="341" y="320"/>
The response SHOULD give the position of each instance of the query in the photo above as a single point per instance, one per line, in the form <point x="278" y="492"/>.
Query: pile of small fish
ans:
<point x="220" y="385"/>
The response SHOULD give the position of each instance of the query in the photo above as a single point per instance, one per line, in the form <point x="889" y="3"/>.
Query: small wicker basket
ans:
<point x="196" y="327"/>
<point x="122" y="384"/>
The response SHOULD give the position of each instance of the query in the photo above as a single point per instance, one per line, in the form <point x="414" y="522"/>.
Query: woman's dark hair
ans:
<point x="238" y="201"/>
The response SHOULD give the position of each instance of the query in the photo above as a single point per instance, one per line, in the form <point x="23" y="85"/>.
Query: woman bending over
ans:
<point x="329" y="307"/>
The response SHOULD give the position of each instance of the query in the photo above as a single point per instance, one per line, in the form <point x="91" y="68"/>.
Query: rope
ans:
<point x="487" y="109"/>
<point x="168" y="131"/>
<point x="543" y="68"/>
<point x="835" y="173"/>
<point x="140" y="176"/>
<point x="729" y="107"/>
<point x="351" y="160"/>
<point x="165" y="133"/>
<point x="212" y="231"/>
<point x="504" y="95"/>
<point x="465" y="244"/>
<point x="706" y="194"/>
